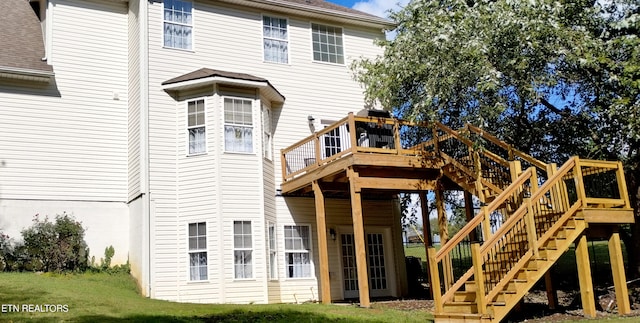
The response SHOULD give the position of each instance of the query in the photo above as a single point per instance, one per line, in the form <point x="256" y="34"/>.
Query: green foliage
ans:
<point x="55" y="246"/>
<point x="102" y="297"/>
<point x="554" y="78"/>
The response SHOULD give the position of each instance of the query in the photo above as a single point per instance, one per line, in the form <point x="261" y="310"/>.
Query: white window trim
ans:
<point x="189" y="252"/>
<point x="312" y="265"/>
<point x="344" y="44"/>
<point x="252" y="249"/>
<point x="288" y="38"/>
<point x="193" y="29"/>
<point x="272" y="274"/>
<point x="205" y="125"/>
<point x="254" y="134"/>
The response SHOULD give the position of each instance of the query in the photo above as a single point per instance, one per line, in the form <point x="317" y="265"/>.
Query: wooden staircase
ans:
<point x="542" y="216"/>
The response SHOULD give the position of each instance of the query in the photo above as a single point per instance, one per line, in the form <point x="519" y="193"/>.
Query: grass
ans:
<point x="101" y="297"/>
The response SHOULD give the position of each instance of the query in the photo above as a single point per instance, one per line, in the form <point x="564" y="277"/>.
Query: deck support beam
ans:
<point x="426" y="228"/>
<point x="359" y="238"/>
<point x="584" y="277"/>
<point x="619" y="279"/>
<point x="321" y="226"/>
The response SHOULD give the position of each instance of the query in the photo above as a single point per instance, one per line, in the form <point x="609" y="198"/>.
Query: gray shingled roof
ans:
<point x="21" y="37"/>
<point x="208" y="72"/>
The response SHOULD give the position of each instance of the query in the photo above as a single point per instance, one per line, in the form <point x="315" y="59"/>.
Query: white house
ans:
<point x="159" y="123"/>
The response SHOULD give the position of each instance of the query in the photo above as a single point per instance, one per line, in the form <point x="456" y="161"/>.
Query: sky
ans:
<point x="375" y="7"/>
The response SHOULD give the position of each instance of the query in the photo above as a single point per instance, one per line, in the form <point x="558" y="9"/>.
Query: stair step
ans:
<point x="460" y="307"/>
<point x="464" y="296"/>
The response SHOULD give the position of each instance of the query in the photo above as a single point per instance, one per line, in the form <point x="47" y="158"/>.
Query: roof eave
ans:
<point x="363" y="20"/>
<point x="26" y="74"/>
<point x="265" y="87"/>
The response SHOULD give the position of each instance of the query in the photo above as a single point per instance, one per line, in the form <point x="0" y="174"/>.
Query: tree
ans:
<point x="554" y="78"/>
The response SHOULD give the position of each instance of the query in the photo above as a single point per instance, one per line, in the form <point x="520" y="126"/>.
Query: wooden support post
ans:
<point x="478" y="277"/>
<point x="552" y="295"/>
<point x="317" y="147"/>
<point x="584" y="277"/>
<point x="321" y="226"/>
<point x="443" y="229"/>
<point x="486" y="224"/>
<point x="359" y="239"/>
<point x="435" y="279"/>
<point x="530" y="223"/>
<point x="619" y="279"/>
<point x="515" y="169"/>
<point x="426" y="227"/>
<point x="622" y="185"/>
<point x="477" y="169"/>
<point x="468" y="210"/>
<point x="396" y="136"/>
<point x="579" y="182"/>
<point x="351" y="122"/>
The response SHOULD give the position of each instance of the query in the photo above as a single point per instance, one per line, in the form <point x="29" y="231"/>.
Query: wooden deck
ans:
<point x="530" y="211"/>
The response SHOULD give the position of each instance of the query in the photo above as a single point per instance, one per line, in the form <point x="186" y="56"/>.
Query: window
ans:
<point x="273" y="255"/>
<point x="197" y="251"/>
<point x="276" y="43"/>
<point x="238" y="125"/>
<point x="266" y="133"/>
<point x="297" y="245"/>
<point x="327" y="44"/>
<point x="196" y="127"/>
<point x="178" y="24"/>
<point x="242" y="249"/>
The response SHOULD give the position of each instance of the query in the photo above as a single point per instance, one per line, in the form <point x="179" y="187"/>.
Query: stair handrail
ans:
<point x="467" y="229"/>
<point x="515" y="152"/>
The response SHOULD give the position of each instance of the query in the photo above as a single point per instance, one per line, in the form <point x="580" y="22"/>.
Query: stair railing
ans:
<point x="542" y="212"/>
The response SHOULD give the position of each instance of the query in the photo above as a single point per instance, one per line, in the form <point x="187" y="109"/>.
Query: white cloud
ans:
<point x="379" y="7"/>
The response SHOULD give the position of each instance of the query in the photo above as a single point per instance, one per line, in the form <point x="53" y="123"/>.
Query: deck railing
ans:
<point x="355" y="134"/>
<point x="541" y="212"/>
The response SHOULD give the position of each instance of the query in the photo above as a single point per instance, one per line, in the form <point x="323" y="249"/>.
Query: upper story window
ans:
<point x="196" y="127"/>
<point x="178" y="24"/>
<point x="276" y="39"/>
<point x="198" y="251"/>
<point x="238" y="125"/>
<point x="327" y="44"/>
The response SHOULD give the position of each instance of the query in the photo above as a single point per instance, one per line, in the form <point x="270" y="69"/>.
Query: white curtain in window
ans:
<point x="276" y="51"/>
<point x="299" y="265"/>
<point x="239" y="139"/>
<point x="197" y="140"/>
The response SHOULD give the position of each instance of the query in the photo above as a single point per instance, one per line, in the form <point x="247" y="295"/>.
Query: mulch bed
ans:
<point x="535" y="308"/>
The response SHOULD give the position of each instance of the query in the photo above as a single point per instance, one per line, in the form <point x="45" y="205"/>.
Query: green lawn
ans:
<point x="94" y="297"/>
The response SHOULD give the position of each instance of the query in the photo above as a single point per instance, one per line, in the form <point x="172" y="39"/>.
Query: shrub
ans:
<point x="58" y="246"/>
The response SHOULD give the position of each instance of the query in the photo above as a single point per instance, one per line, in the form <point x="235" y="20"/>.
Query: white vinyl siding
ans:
<point x="196" y="129"/>
<point x="178" y="24"/>
<point x="68" y="140"/>
<point x="327" y="44"/>
<point x="242" y="250"/>
<point x="238" y="125"/>
<point x="275" y="39"/>
<point x="224" y="187"/>
<point x="198" y="251"/>
<point x="297" y="248"/>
